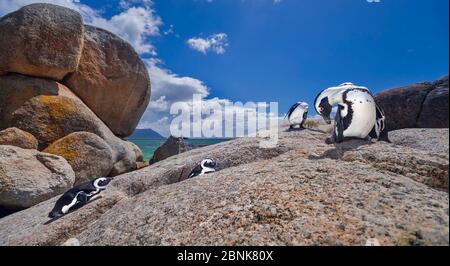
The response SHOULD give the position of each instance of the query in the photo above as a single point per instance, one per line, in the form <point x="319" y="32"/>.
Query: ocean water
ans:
<point x="148" y="146"/>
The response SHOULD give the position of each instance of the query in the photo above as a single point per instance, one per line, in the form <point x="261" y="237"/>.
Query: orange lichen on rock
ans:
<point x="88" y="154"/>
<point x="65" y="149"/>
<point x="19" y="138"/>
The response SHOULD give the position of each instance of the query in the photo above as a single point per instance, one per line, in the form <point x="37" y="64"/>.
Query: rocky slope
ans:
<point x="302" y="192"/>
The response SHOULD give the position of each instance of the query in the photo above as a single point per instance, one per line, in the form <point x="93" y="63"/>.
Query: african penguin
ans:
<point x="297" y="115"/>
<point x="322" y="104"/>
<point x="357" y="116"/>
<point x="205" y="167"/>
<point x="78" y="196"/>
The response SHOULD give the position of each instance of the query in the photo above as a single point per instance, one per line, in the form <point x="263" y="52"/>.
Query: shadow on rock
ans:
<point x="339" y="150"/>
<point x="52" y="220"/>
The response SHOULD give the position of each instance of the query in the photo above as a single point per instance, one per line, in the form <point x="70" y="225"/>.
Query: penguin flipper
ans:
<point x="196" y="171"/>
<point x="305" y="116"/>
<point x="339" y="137"/>
<point x="373" y="133"/>
<point x="82" y="197"/>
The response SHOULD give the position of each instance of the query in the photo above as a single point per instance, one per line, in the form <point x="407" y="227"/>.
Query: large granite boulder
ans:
<point x="172" y="146"/>
<point x="127" y="161"/>
<point x="301" y="192"/>
<point x="133" y="159"/>
<point x="403" y="105"/>
<point x="16" y="89"/>
<point x="50" y="111"/>
<point x="50" y="118"/>
<point x="88" y="154"/>
<point x="28" y="177"/>
<point x="137" y="151"/>
<point x="421" y="105"/>
<point x="112" y="80"/>
<point x="19" y="138"/>
<point x="435" y="107"/>
<point x="41" y="40"/>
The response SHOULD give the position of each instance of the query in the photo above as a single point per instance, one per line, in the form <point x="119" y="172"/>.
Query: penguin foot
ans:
<point x="292" y="128"/>
<point x="384" y="137"/>
<point x="329" y="141"/>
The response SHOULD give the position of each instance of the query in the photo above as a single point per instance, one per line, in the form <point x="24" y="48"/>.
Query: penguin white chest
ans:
<point x="296" y="117"/>
<point x="363" y="114"/>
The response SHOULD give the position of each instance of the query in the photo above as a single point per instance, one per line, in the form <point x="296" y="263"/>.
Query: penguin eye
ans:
<point x="321" y="109"/>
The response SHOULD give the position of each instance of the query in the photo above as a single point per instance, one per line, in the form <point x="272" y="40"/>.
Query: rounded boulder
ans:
<point x="41" y="40"/>
<point x="88" y="154"/>
<point x="19" y="138"/>
<point x="28" y="177"/>
<point x="111" y="80"/>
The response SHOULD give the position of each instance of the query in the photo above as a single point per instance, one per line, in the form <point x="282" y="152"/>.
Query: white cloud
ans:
<point x="169" y="88"/>
<point x="136" y="24"/>
<point x="125" y="4"/>
<point x="215" y="43"/>
<point x="174" y="87"/>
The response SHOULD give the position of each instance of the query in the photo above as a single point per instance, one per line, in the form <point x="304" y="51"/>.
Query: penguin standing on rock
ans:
<point x="297" y="115"/>
<point x="205" y="167"/>
<point x="357" y="115"/>
<point x="78" y="196"/>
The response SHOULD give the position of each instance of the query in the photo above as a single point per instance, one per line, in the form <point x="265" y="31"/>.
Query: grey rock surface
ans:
<point x="28" y="177"/>
<point x="19" y="138"/>
<point x="112" y="80"/>
<point x="301" y="192"/>
<point x="88" y="154"/>
<point x="420" y="105"/>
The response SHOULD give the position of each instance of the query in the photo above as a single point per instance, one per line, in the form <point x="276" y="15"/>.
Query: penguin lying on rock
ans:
<point x="297" y="115"/>
<point x="357" y="116"/>
<point x="205" y="167"/>
<point x="78" y="196"/>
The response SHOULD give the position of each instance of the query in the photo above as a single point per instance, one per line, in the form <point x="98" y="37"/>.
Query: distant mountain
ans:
<point x="145" y="134"/>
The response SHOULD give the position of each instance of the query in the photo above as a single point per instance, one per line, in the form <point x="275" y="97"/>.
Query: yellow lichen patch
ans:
<point x="29" y="137"/>
<point x="58" y="106"/>
<point x="65" y="149"/>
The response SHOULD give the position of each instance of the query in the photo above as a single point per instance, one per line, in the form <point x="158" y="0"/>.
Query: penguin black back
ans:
<point x="205" y="167"/>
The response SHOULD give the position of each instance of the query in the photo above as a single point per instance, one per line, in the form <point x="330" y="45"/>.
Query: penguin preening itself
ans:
<point x="205" y="167"/>
<point x="78" y="196"/>
<point x="297" y="115"/>
<point x="357" y="116"/>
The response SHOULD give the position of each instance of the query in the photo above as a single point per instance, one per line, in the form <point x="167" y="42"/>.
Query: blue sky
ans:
<point x="290" y="50"/>
<point x="266" y="50"/>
